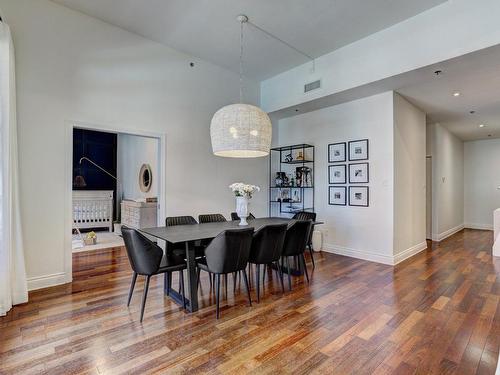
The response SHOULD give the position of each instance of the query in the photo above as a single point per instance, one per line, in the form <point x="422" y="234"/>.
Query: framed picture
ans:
<point x="337" y="174"/>
<point x="337" y="196"/>
<point x="336" y="152"/>
<point x="358" y="173"/>
<point x="358" y="150"/>
<point x="358" y="196"/>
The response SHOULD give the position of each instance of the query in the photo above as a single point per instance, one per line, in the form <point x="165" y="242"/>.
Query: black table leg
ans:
<point x="191" y="276"/>
<point x="191" y="300"/>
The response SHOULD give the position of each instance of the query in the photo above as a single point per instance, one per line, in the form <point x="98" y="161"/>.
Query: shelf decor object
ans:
<point x="243" y="193"/>
<point x="291" y="180"/>
<point x="358" y="150"/>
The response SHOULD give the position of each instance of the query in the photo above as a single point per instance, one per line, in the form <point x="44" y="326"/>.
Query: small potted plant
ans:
<point x="243" y="193"/>
<point x="90" y="238"/>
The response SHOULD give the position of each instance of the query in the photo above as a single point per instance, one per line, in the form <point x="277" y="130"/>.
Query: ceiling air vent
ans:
<point x="312" y="86"/>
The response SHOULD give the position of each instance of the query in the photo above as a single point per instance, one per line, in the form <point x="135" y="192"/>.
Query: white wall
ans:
<point x="481" y="182"/>
<point x="409" y="178"/>
<point x="447" y="152"/>
<point x="71" y="67"/>
<point x="132" y="152"/>
<point x="449" y="30"/>
<point x="355" y="231"/>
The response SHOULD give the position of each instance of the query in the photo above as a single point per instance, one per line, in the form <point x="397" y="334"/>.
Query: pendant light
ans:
<point x="241" y="130"/>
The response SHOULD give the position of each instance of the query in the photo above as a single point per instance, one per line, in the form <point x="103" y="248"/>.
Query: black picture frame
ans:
<point x="331" y="172"/>
<point x="331" y="192"/>
<point x="360" y="189"/>
<point x="331" y="151"/>
<point x="353" y="150"/>
<point x="354" y="179"/>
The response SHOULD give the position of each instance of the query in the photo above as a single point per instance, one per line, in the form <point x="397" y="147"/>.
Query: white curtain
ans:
<point x="13" y="285"/>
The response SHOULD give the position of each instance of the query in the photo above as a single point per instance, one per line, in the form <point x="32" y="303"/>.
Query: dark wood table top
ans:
<point x="183" y="233"/>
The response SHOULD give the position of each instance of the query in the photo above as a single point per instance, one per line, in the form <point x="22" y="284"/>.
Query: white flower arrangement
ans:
<point x="243" y="190"/>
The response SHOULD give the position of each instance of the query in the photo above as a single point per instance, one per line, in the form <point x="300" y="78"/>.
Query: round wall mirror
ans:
<point x="145" y="178"/>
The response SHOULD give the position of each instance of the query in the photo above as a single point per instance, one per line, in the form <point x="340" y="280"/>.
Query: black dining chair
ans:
<point x="171" y="221"/>
<point x="180" y="249"/>
<point x="295" y="245"/>
<point x="227" y="253"/>
<point x="267" y="246"/>
<point x="304" y="215"/>
<point x="211" y="218"/>
<point x="147" y="259"/>
<point x="234" y="216"/>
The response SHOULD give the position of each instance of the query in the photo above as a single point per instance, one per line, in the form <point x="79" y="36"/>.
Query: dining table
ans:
<point x="187" y="235"/>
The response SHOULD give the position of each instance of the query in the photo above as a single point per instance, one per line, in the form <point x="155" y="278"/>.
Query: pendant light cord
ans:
<point x="241" y="62"/>
<point x="286" y="44"/>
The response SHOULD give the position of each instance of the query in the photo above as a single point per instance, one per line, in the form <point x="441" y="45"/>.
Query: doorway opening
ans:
<point x="115" y="178"/>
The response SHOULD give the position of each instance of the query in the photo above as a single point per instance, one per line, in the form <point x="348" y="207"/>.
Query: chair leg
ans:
<point x="181" y="278"/>
<point x="198" y="278"/>
<point x="217" y="293"/>
<point x="249" y="275"/>
<point x="144" y="296"/>
<point x="289" y="273"/>
<point x="134" y="278"/>
<point x="210" y="278"/>
<point x="225" y="282"/>
<point x="247" y="286"/>
<point x="311" y="252"/>
<point x="168" y="281"/>
<point x="280" y="276"/>
<point x="257" y="281"/>
<point x="235" y="275"/>
<point x="305" y="267"/>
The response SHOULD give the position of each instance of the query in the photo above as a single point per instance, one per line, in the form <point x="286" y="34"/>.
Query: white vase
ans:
<point x="242" y="209"/>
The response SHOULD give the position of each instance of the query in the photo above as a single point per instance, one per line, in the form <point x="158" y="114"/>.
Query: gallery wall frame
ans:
<point x="337" y="196"/>
<point x="359" y="173"/>
<point x="337" y="174"/>
<point x="337" y="152"/>
<point x="358" y="150"/>
<point x="359" y="196"/>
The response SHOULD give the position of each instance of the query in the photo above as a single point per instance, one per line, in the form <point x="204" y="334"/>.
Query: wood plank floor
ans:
<point x="437" y="313"/>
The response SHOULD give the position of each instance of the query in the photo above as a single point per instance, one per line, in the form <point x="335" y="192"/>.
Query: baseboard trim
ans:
<point x="46" y="281"/>
<point x="479" y="226"/>
<point x="408" y="253"/>
<point x="358" y="254"/>
<point x="448" y="233"/>
<point x="373" y="257"/>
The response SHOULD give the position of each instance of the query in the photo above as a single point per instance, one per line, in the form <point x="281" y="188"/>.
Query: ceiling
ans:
<point x="208" y="28"/>
<point x="477" y="77"/>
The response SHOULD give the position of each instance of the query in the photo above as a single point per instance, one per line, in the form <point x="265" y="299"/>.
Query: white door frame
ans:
<point x="68" y="189"/>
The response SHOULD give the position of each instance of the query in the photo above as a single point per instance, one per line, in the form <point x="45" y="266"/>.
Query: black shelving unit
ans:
<point x="294" y="193"/>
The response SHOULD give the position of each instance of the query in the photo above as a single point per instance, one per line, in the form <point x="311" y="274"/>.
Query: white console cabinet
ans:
<point x="139" y="214"/>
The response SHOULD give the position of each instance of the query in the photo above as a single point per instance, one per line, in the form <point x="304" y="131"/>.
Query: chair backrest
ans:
<point x="211" y="218"/>
<point x="144" y="255"/>
<point x="304" y="215"/>
<point x="267" y="244"/>
<point x="234" y="216"/>
<point x="296" y="238"/>
<point x="229" y="251"/>
<point x="179" y="220"/>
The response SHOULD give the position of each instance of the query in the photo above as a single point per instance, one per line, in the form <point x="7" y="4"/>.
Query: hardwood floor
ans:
<point x="436" y="313"/>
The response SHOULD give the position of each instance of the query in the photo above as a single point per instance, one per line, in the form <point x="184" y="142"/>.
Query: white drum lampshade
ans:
<point x="241" y="131"/>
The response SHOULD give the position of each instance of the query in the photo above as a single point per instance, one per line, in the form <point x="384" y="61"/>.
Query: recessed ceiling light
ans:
<point x="456" y="93"/>
<point x="482" y="125"/>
